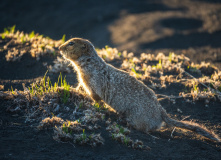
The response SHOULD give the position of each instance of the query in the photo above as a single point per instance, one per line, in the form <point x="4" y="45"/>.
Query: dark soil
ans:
<point x="123" y="24"/>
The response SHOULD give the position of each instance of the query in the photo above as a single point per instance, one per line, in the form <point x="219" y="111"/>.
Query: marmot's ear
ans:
<point x="85" y="47"/>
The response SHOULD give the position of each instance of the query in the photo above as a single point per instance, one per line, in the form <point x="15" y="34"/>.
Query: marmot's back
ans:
<point x="130" y="96"/>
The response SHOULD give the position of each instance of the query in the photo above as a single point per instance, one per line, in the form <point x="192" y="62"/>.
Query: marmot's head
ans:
<point x="75" y="48"/>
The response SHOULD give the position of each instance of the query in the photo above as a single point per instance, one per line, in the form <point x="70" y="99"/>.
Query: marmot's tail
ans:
<point x="190" y="126"/>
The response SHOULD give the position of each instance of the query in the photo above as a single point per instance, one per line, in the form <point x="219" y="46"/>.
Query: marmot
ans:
<point x="122" y="92"/>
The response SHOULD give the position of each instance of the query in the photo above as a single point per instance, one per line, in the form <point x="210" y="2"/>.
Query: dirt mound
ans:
<point x="48" y="118"/>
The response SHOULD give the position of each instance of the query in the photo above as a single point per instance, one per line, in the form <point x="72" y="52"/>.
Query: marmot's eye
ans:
<point x="71" y="43"/>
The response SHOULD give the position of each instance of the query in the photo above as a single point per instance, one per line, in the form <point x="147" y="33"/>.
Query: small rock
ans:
<point x="97" y="126"/>
<point x="90" y="128"/>
<point x="108" y="121"/>
<point x="67" y="109"/>
<point x="178" y="110"/>
<point x="45" y="64"/>
<point x="206" y="101"/>
<point x="57" y="108"/>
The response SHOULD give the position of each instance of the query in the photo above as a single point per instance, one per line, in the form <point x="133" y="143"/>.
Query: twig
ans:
<point x="19" y="93"/>
<point x="169" y="97"/>
<point x="7" y="44"/>
<point x="171" y="135"/>
<point x="175" y="127"/>
<point x="153" y="136"/>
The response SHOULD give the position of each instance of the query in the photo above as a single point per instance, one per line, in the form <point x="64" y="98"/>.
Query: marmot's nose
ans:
<point x="60" y="47"/>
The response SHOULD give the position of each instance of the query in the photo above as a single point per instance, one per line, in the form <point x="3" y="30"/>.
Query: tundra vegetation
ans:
<point x="76" y="119"/>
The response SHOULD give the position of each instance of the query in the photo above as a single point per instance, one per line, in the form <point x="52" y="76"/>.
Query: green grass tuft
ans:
<point x="65" y="128"/>
<point x="63" y="38"/>
<point x="12" y="90"/>
<point x="45" y="86"/>
<point x="32" y="34"/>
<point x="8" y="30"/>
<point x="84" y="136"/>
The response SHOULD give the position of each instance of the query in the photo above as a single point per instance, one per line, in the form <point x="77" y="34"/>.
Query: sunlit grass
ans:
<point x="45" y="86"/>
<point x="137" y="75"/>
<point x="35" y="44"/>
<point x="159" y="65"/>
<point x="165" y="71"/>
<point x="12" y="90"/>
<point x="32" y="34"/>
<point x="66" y="87"/>
<point x="99" y="107"/>
<point x="63" y="38"/>
<point x="65" y="127"/>
<point x="7" y="31"/>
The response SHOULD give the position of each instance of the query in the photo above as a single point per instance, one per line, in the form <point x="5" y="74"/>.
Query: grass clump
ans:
<point x="98" y="107"/>
<point x="13" y="92"/>
<point x="63" y="38"/>
<point x="159" y="65"/>
<point x="7" y="31"/>
<point x="120" y="134"/>
<point x="32" y="34"/>
<point x="48" y="122"/>
<point x="193" y="69"/>
<point x="35" y="44"/>
<point x="93" y="139"/>
<point x="66" y="89"/>
<point x="66" y="127"/>
<point x="171" y="57"/>
<point x="84" y="136"/>
<point x="137" y="75"/>
<point x="45" y="86"/>
<point x="23" y="39"/>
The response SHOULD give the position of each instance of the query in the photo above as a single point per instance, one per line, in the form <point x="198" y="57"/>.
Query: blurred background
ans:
<point x="191" y="27"/>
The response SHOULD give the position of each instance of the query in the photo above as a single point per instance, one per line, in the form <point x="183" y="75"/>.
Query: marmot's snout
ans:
<point x="61" y="47"/>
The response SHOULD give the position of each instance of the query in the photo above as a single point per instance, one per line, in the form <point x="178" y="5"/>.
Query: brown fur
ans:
<point x="118" y="89"/>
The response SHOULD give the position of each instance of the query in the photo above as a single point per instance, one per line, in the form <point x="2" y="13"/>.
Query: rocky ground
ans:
<point x="186" y="88"/>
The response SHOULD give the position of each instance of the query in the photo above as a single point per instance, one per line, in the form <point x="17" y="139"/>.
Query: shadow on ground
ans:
<point x="182" y="41"/>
